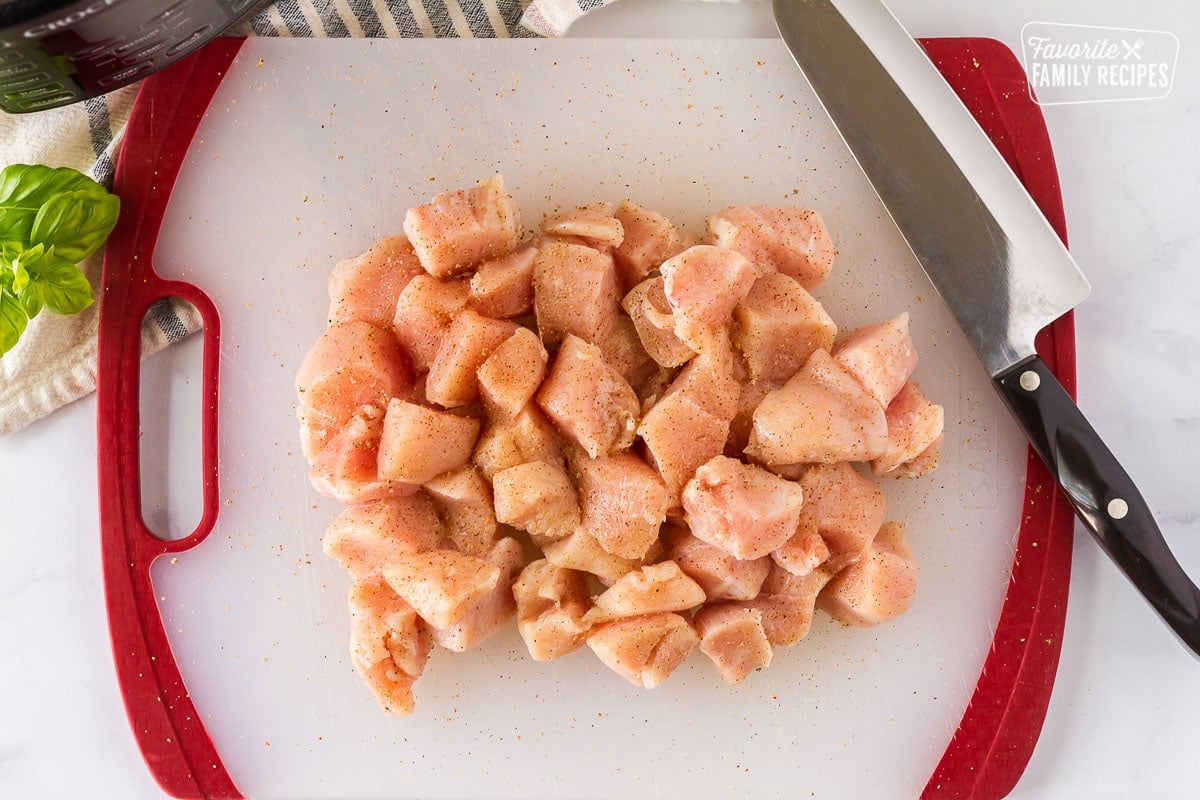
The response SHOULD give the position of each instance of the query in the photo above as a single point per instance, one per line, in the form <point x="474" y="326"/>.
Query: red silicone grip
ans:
<point x="168" y="729"/>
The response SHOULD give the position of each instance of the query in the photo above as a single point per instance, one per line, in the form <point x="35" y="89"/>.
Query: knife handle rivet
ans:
<point x="1030" y="380"/>
<point x="1117" y="508"/>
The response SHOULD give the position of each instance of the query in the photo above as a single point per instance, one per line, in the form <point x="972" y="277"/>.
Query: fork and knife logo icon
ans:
<point x="1132" y="50"/>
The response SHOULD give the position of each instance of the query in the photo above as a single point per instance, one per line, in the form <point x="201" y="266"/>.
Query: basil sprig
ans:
<point x="50" y="220"/>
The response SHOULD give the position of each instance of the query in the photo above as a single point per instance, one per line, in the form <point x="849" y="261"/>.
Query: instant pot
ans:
<point x="55" y="52"/>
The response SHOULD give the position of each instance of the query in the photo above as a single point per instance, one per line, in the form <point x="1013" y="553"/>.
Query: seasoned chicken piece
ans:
<point x="419" y="443"/>
<point x="880" y="357"/>
<point x="489" y="613"/>
<point x="503" y="288"/>
<point x="456" y="230"/>
<point x="349" y="366"/>
<point x="346" y="468"/>
<point x="821" y="415"/>
<point x="842" y="506"/>
<point x="649" y="590"/>
<point x="644" y="650"/>
<point x="650" y="239"/>
<point x="778" y="326"/>
<point x="575" y="291"/>
<point x="464" y="502"/>
<point x="512" y="373"/>
<point x="622" y="350"/>
<point x="732" y="636"/>
<point x="654" y="320"/>
<point x="551" y="603"/>
<point x="593" y="223"/>
<point x="787" y="602"/>
<point x="750" y="395"/>
<point x="423" y="315"/>
<point x="923" y="464"/>
<point x="689" y="425"/>
<point x="529" y="436"/>
<point x="442" y="585"/>
<point x="580" y="551"/>
<point x="538" y="498"/>
<point x="740" y="508"/>
<point x="805" y="551"/>
<point x="720" y="575"/>
<point x="793" y="241"/>
<point x="588" y="400"/>
<point x="624" y="503"/>
<point x="365" y="537"/>
<point x="703" y="285"/>
<point x="878" y="587"/>
<point x="914" y="427"/>
<point x="365" y="288"/>
<point x="470" y="340"/>
<point x="389" y="644"/>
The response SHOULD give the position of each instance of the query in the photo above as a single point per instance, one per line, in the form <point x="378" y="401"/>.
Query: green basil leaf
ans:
<point x="13" y="320"/>
<point x="20" y="278"/>
<point x="76" y="223"/>
<point x="57" y="284"/>
<point x="29" y="187"/>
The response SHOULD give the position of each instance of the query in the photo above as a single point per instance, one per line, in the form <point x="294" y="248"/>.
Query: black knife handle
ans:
<point x="1102" y="493"/>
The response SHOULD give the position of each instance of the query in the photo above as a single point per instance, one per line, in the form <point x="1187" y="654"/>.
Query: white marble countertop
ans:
<point x="1122" y="721"/>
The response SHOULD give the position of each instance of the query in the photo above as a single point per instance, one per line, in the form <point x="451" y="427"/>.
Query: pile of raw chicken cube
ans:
<point x="626" y="439"/>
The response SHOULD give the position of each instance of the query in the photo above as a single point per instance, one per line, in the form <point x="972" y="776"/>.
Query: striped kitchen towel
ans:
<point x="55" y="361"/>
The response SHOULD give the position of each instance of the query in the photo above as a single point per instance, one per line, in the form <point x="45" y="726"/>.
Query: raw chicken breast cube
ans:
<point x="468" y="342"/>
<point x="464" y="502"/>
<point x="750" y="395"/>
<point x="680" y="437"/>
<point x="644" y="650"/>
<point x="365" y="288"/>
<point x="575" y="291"/>
<point x="805" y="551"/>
<point x="880" y="357"/>
<point x="365" y="537"/>
<point x="529" y="436"/>
<point x="709" y="380"/>
<point x="720" y="575"/>
<point x="419" y="443"/>
<point x="580" y="551"/>
<point x="551" y="603"/>
<point x="622" y="350"/>
<point x="914" y="425"/>
<point x="878" y="587"/>
<point x="588" y="400"/>
<point x="389" y="644"/>
<point x="822" y="415"/>
<point x="740" y="508"/>
<point x="538" y="498"/>
<point x="923" y="464"/>
<point x="512" y="373"/>
<point x="351" y="365"/>
<point x="650" y="239"/>
<point x="844" y="508"/>
<point x="423" y="315"/>
<point x="793" y="241"/>
<point x="654" y="588"/>
<point x="787" y="602"/>
<point x="778" y="326"/>
<point x="624" y="503"/>
<point x="733" y="638"/>
<point x="503" y="288"/>
<point x="593" y="223"/>
<point x="654" y="320"/>
<point x="703" y="285"/>
<point x="442" y="585"/>
<point x="456" y="230"/>
<point x="346" y="469"/>
<point x="489" y="613"/>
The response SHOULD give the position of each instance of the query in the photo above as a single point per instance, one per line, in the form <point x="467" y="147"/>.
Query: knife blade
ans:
<point x="990" y="254"/>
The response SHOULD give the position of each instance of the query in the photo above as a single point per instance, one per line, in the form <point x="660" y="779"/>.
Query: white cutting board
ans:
<point x="309" y="152"/>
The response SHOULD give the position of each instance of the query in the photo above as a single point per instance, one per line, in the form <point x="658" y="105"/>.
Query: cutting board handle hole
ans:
<point x="170" y="423"/>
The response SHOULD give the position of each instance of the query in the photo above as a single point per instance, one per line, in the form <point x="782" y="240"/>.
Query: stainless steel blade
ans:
<point x="982" y="241"/>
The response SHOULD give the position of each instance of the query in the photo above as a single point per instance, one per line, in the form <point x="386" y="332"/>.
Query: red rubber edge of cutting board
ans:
<point x="172" y="738"/>
<point x="992" y="744"/>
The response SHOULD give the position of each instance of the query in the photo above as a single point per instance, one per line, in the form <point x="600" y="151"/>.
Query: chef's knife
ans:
<point x="990" y="254"/>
